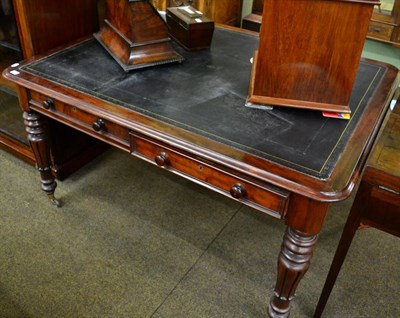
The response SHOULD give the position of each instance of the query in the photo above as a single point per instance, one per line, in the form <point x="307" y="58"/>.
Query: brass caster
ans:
<point x="54" y="201"/>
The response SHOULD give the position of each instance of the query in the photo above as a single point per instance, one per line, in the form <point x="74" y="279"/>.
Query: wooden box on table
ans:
<point x="309" y="52"/>
<point x="192" y="31"/>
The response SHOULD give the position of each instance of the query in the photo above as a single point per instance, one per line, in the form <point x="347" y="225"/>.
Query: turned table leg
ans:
<point x="293" y="262"/>
<point x="304" y="221"/>
<point x="37" y="135"/>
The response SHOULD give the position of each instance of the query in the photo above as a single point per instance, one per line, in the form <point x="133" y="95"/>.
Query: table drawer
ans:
<point x="259" y="195"/>
<point x="98" y="127"/>
<point x="383" y="209"/>
<point x="380" y="30"/>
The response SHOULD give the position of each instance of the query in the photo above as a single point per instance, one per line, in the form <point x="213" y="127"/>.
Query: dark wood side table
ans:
<point x="385" y="23"/>
<point x="190" y="119"/>
<point x="377" y="202"/>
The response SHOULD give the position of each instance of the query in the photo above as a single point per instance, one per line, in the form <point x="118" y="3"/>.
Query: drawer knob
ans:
<point x="48" y="103"/>
<point x="238" y="191"/>
<point x="98" y="125"/>
<point x="162" y="159"/>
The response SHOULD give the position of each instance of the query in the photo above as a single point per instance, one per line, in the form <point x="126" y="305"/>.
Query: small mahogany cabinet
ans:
<point x="309" y="65"/>
<point x="28" y="28"/>
<point x="135" y="35"/>
<point x="384" y="25"/>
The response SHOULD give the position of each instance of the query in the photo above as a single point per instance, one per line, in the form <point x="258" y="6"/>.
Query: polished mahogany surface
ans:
<point x="257" y="6"/>
<point x="45" y="24"/>
<point x="307" y="42"/>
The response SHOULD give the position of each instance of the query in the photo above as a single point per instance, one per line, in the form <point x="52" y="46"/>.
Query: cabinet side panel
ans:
<point x="45" y="24"/>
<point x="310" y="50"/>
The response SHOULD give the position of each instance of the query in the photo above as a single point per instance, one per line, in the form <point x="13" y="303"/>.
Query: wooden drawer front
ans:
<point x="263" y="197"/>
<point x="78" y="118"/>
<point x="380" y="30"/>
<point x="383" y="210"/>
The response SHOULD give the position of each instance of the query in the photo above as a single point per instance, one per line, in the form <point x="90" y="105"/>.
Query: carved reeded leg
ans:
<point x="304" y="219"/>
<point x="293" y="262"/>
<point x="37" y="135"/>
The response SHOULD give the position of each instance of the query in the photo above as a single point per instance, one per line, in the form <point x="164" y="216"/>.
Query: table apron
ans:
<point x="257" y="194"/>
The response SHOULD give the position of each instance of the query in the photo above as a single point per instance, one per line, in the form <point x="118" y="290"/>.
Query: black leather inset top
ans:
<point x="206" y="94"/>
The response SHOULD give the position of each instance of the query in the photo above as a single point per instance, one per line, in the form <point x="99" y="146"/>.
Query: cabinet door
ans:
<point x="226" y="11"/>
<point x="258" y="6"/>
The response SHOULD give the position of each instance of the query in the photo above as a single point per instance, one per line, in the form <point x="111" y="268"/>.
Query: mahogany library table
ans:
<point x="190" y="119"/>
